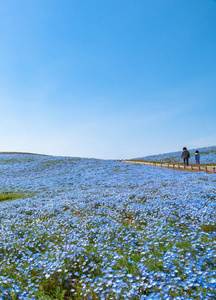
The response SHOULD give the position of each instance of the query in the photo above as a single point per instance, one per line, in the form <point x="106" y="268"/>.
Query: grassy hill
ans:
<point x="207" y="155"/>
<point x="20" y="153"/>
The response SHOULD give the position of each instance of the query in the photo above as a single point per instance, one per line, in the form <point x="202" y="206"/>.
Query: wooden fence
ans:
<point x="197" y="168"/>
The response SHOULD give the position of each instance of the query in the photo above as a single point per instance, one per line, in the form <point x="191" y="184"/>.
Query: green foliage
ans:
<point x="12" y="195"/>
<point x="209" y="228"/>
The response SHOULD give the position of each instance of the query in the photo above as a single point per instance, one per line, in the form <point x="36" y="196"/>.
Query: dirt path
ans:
<point x="207" y="169"/>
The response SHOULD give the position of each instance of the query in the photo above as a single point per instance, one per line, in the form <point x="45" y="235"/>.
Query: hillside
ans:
<point x="207" y="154"/>
<point x="74" y="228"/>
<point x="19" y="153"/>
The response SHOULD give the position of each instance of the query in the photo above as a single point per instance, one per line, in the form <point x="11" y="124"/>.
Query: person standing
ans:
<point x="197" y="157"/>
<point x="185" y="156"/>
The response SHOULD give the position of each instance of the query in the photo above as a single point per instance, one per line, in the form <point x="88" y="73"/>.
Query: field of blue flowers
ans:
<point x="207" y="156"/>
<point x="73" y="228"/>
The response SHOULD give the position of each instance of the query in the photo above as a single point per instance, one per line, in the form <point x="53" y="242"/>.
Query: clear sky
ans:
<point x="107" y="78"/>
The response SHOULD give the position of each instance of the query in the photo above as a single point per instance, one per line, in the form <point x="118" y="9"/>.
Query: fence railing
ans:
<point x="197" y="168"/>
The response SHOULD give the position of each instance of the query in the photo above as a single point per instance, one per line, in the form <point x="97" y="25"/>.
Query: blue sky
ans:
<point x="107" y="79"/>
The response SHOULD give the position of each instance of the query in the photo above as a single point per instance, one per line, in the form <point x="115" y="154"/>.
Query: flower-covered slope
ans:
<point x="74" y="228"/>
<point x="207" y="154"/>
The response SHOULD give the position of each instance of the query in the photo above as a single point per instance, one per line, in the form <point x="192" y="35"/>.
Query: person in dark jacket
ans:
<point x="197" y="157"/>
<point x="185" y="156"/>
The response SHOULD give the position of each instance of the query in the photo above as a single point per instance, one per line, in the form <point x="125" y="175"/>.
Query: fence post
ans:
<point x="173" y="166"/>
<point x="178" y="166"/>
<point x="213" y="169"/>
<point x="168" y="165"/>
<point x="206" y="169"/>
<point x="191" y="167"/>
<point x="199" y="167"/>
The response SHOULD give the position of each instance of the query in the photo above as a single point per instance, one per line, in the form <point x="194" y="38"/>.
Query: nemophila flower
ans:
<point x="119" y="230"/>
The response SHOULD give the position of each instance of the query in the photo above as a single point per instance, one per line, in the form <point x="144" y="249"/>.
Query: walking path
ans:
<point x="207" y="169"/>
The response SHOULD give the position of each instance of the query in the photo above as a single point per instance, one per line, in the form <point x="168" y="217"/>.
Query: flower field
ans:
<point x="207" y="156"/>
<point x="73" y="228"/>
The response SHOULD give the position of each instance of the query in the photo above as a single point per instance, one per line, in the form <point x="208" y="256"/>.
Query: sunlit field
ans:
<point x="89" y="229"/>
